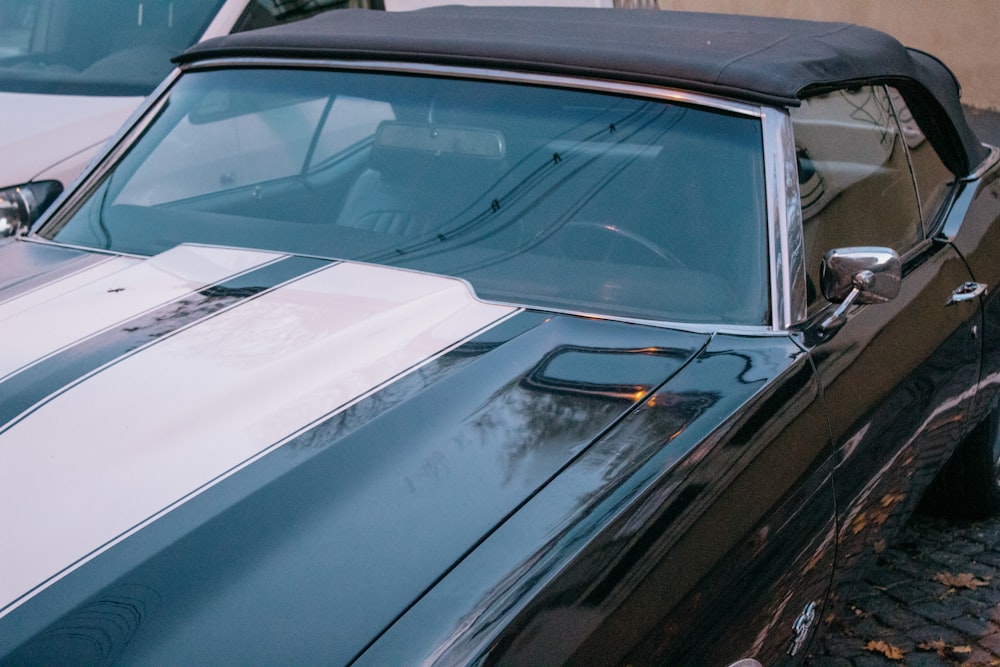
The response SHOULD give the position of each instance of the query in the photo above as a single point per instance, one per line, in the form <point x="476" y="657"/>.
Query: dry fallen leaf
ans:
<point x="888" y="650"/>
<point x="963" y="580"/>
<point x="961" y="649"/>
<point x="938" y="646"/>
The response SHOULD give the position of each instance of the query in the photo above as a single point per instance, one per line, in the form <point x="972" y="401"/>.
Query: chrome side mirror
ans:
<point x="851" y="276"/>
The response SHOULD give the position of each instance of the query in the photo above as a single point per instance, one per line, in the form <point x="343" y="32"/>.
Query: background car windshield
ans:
<point x="115" y="47"/>
<point x="98" y="47"/>
<point x="563" y="199"/>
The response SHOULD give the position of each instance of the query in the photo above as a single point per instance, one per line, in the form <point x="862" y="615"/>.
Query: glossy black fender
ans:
<point x="694" y="532"/>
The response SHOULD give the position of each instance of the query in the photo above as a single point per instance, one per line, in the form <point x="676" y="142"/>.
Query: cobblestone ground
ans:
<point x="931" y="599"/>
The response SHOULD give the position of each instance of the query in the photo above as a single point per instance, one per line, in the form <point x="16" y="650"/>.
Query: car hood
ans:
<point x="265" y="458"/>
<point x="43" y="130"/>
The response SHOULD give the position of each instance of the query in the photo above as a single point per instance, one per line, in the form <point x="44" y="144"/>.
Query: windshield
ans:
<point x="545" y="197"/>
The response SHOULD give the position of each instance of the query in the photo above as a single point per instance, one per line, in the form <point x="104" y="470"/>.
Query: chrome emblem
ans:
<point x="800" y="628"/>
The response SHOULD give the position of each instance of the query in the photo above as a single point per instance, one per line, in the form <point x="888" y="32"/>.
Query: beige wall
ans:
<point x="963" y="33"/>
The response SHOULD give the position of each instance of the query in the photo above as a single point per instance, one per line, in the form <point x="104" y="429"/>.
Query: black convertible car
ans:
<point x="496" y="336"/>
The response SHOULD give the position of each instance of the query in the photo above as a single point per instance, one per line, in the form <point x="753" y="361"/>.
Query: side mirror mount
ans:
<point x="861" y="275"/>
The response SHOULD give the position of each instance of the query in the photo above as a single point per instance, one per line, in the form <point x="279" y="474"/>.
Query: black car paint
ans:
<point x="300" y="531"/>
<point x="912" y="365"/>
<point x="973" y="227"/>
<point x="896" y="381"/>
<point x="569" y="571"/>
<point x="395" y="485"/>
<point x="627" y="554"/>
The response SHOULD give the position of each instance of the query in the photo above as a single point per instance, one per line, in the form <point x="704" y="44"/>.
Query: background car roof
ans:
<point x="767" y="60"/>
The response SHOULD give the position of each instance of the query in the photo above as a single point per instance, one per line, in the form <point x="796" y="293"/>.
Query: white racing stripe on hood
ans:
<point x="67" y="310"/>
<point x="150" y="431"/>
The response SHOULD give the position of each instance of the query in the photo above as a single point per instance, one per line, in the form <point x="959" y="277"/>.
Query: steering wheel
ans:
<point x="669" y="258"/>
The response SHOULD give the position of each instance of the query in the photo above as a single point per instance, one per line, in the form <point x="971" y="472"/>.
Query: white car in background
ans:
<point x="72" y="71"/>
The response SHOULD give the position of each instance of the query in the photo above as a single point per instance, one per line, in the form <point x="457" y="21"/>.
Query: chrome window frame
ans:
<point x="786" y="272"/>
<point x="787" y="252"/>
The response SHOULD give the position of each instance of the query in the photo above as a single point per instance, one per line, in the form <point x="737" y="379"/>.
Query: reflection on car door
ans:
<point x="896" y="377"/>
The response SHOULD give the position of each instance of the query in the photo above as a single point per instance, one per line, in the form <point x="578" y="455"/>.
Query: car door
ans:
<point x="897" y="377"/>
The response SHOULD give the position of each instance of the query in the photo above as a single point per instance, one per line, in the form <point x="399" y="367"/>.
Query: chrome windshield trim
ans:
<point x="506" y="76"/>
<point x="787" y="269"/>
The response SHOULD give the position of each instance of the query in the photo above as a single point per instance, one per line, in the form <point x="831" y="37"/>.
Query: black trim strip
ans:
<point x="28" y="389"/>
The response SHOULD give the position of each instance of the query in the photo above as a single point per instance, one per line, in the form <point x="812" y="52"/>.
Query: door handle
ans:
<point x="967" y="291"/>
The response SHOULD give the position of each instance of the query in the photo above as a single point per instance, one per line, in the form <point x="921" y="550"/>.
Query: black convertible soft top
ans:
<point x="766" y="60"/>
